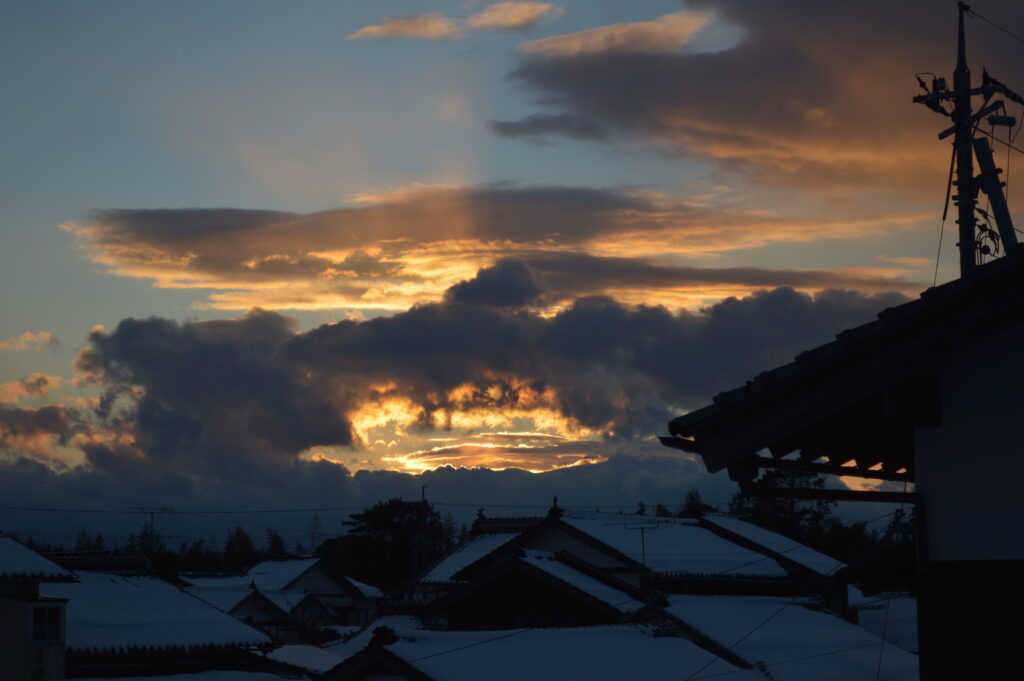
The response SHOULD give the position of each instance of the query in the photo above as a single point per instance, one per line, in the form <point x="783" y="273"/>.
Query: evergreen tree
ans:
<point x="276" y="548"/>
<point x="641" y="509"/>
<point x="388" y="543"/>
<point x="240" y="552"/>
<point x="694" y="506"/>
<point x="661" y="511"/>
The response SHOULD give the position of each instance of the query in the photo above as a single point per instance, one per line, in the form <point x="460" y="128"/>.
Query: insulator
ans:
<point x="938" y="84"/>
<point x="1005" y="121"/>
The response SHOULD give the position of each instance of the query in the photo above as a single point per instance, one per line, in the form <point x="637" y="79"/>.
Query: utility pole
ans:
<point x="972" y="245"/>
<point x="152" y="511"/>
<point x="966" y="192"/>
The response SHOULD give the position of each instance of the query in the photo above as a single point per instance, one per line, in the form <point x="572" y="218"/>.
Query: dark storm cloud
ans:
<point x="510" y="283"/>
<point x="816" y="94"/>
<point x="214" y="392"/>
<point x="538" y="127"/>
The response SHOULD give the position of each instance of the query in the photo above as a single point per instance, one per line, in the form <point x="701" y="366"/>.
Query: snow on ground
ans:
<point x="796" y="644"/>
<point x="18" y="562"/>
<point x="592" y="653"/>
<point x="310" y="658"/>
<point x="673" y="545"/>
<point x="466" y="555"/>
<point x="206" y="676"/>
<point x="545" y="560"/>
<point x="108" y="612"/>
<point x="795" y="551"/>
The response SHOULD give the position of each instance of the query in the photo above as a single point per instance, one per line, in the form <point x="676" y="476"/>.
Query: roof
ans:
<point x="904" y="344"/>
<point x="214" y="675"/>
<point x="310" y="658"/>
<point x="223" y="593"/>
<point x="18" y="563"/>
<point x="277" y="575"/>
<point x="673" y="545"/>
<point x="361" y="639"/>
<point x="892" y="616"/>
<point x="367" y="590"/>
<point x="111" y="613"/>
<point x="593" y="653"/>
<point x="465" y="555"/>
<point x="794" y="643"/>
<point x="616" y="598"/>
<point x="777" y="543"/>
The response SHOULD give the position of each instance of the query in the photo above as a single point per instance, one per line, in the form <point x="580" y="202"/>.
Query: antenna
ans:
<point x="973" y="245"/>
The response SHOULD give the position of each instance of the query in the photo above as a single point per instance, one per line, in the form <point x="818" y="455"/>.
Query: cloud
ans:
<point x="500" y="16"/>
<point x="394" y="249"/>
<point x="510" y="283"/>
<point x="34" y="385"/>
<point x="537" y="127"/>
<point x="425" y="26"/>
<point x="665" y="34"/>
<point x="796" y="104"/>
<point x="512" y="16"/>
<point x="31" y="341"/>
<point x="237" y="399"/>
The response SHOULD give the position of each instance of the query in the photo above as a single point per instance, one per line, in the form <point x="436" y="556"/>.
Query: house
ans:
<point x="32" y="643"/>
<point x="593" y="653"/>
<point x="284" y="597"/>
<point x="925" y="395"/>
<point x="237" y="598"/>
<point x="350" y="601"/>
<point x="538" y="589"/>
<point x="644" y="555"/>
<point x="120" y="625"/>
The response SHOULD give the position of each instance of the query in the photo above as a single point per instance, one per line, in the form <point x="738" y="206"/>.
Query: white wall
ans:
<point x="970" y="470"/>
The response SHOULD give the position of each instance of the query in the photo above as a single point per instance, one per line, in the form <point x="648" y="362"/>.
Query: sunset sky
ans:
<point x="252" y="248"/>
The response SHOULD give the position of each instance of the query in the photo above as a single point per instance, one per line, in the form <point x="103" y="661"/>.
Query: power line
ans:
<point x="994" y="25"/>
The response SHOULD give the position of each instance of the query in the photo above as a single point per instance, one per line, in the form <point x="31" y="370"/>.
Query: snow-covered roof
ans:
<point x="356" y="643"/>
<point x="310" y="658"/>
<point x="367" y="590"/>
<point x="224" y="596"/>
<point x="467" y="554"/>
<point x="793" y="550"/>
<point x="891" y="614"/>
<point x="673" y="545"/>
<point x="19" y="563"/>
<point x="796" y="644"/>
<point x="593" y="653"/>
<point x="108" y="612"/>
<point x="276" y="575"/>
<point x="546" y="561"/>
<point x="215" y="675"/>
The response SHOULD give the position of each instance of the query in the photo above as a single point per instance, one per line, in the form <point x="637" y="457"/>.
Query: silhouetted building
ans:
<point x="927" y="394"/>
<point x="31" y="625"/>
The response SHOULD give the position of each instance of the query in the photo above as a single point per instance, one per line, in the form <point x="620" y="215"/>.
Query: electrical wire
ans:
<point x="994" y="24"/>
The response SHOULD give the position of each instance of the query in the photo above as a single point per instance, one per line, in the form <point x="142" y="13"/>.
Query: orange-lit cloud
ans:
<point x="395" y="249"/>
<point x="34" y="385"/>
<point x="667" y="33"/>
<point x="425" y="26"/>
<point x="500" y="16"/>
<point x="30" y="341"/>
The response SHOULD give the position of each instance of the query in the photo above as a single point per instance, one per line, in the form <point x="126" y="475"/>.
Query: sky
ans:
<point x="264" y="255"/>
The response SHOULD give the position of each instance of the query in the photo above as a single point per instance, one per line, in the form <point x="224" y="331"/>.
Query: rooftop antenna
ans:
<point x="973" y="245"/>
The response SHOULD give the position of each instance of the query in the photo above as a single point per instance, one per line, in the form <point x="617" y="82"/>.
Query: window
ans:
<point x="46" y="625"/>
